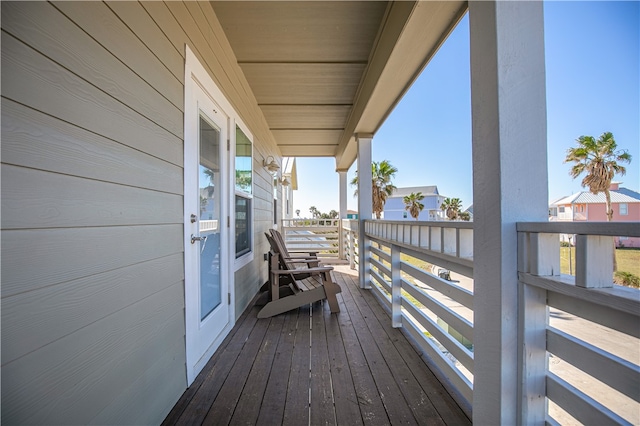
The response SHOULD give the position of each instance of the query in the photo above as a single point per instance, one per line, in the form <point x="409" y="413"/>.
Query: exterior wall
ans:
<point x="92" y="165"/>
<point x="593" y="212"/>
<point x="567" y="214"/>
<point x="394" y="208"/>
<point x="598" y="213"/>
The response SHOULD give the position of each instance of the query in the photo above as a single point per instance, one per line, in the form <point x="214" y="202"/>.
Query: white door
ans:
<point x="206" y="192"/>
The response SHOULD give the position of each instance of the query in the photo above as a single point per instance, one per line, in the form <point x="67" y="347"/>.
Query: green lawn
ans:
<point x="628" y="260"/>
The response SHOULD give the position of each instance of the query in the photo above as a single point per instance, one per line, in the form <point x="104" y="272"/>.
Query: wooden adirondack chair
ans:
<point x="288" y="262"/>
<point x="318" y="286"/>
<point x="282" y="248"/>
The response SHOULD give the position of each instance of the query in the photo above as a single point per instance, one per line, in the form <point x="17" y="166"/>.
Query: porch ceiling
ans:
<point x="323" y="71"/>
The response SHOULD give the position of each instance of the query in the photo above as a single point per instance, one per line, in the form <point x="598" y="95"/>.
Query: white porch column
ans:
<point x="343" y="212"/>
<point x="343" y="193"/>
<point x="365" y="207"/>
<point x="509" y="185"/>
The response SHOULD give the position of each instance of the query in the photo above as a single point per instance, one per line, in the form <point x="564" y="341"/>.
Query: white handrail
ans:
<point x="592" y="334"/>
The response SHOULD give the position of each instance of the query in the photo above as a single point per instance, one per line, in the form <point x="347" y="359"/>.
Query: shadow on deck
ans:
<point x="308" y="367"/>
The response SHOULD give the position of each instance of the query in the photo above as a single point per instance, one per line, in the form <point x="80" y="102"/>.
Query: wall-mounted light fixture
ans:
<point x="285" y="181"/>
<point x="271" y="166"/>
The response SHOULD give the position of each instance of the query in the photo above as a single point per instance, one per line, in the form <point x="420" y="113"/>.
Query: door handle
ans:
<point x="194" y="238"/>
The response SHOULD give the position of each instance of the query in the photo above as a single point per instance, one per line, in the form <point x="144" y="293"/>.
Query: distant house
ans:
<point x="587" y="207"/>
<point x="352" y="214"/>
<point x="394" y="209"/>
<point x="470" y="211"/>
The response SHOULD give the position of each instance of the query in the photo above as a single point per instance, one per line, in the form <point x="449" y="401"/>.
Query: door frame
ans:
<point x="196" y="79"/>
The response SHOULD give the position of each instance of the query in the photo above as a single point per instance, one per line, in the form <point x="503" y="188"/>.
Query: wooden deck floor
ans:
<point x="309" y="367"/>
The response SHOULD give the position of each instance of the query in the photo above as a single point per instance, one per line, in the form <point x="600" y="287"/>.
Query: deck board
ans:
<point x="247" y="411"/>
<point x="322" y="402"/>
<point x="309" y="366"/>
<point x="395" y="405"/>
<point x="273" y="401"/>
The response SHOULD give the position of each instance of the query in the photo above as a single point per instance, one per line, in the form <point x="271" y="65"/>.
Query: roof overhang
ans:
<point x="324" y="71"/>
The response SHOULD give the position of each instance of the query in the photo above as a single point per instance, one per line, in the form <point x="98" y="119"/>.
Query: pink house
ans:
<point x="587" y="207"/>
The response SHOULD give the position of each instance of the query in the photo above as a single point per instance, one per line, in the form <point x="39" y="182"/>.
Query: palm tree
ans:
<point x="452" y="207"/>
<point x="599" y="159"/>
<point x="314" y="212"/>
<point x="413" y="204"/>
<point x="382" y="187"/>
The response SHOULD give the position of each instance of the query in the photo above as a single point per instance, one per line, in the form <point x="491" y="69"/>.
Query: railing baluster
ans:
<point x="396" y="288"/>
<point x="352" y="250"/>
<point x="594" y="261"/>
<point x="539" y="254"/>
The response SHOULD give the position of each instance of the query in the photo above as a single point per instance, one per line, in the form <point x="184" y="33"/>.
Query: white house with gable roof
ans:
<point x="394" y="208"/>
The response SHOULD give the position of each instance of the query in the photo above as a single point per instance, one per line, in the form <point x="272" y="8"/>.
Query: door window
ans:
<point x="210" y="186"/>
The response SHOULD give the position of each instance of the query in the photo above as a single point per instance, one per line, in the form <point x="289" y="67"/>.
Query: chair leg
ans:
<point x="331" y="289"/>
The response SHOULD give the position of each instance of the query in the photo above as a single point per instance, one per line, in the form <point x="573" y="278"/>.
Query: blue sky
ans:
<point x="593" y="86"/>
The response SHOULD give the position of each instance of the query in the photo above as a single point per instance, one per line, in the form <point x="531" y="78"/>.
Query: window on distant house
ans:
<point x="624" y="209"/>
<point x="243" y="198"/>
<point x="561" y="209"/>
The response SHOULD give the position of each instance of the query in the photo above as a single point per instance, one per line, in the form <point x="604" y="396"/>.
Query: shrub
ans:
<point x="627" y="279"/>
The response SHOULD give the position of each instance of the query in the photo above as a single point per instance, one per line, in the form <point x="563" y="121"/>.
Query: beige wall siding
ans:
<point x="92" y="234"/>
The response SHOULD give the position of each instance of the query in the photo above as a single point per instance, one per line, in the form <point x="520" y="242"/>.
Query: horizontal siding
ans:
<point x="71" y="379"/>
<point x="134" y="16"/>
<point x="39" y="141"/>
<point x="102" y="24"/>
<point x="32" y="79"/>
<point x="92" y="209"/>
<point x="162" y="381"/>
<point x="42" y="316"/>
<point x="33" y="259"/>
<point x="37" y="199"/>
<point x="45" y="29"/>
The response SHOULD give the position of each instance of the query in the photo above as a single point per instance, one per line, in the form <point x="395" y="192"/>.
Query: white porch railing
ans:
<point x="579" y="342"/>
<point x="349" y="238"/>
<point x="318" y="235"/>
<point x="438" y="313"/>
<point x="208" y="225"/>
<point x="579" y="336"/>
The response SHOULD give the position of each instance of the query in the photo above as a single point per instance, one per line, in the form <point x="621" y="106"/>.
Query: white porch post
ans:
<point x="343" y="193"/>
<point x="365" y="208"/>
<point x="343" y="212"/>
<point x="509" y="185"/>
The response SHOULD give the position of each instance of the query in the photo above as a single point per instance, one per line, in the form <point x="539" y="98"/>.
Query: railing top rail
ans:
<point x="613" y="229"/>
<point x="461" y="265"/>
<point x="433" y="223"/>
<point x="294" y="223"/>
<point x="620" y="298"/>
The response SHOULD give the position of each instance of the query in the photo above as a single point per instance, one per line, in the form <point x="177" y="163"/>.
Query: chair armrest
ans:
<point x="301" y="271"/>
<point x="305" y="261"/>
<point x="300" y="257"/>
<point x="309" y="253"/>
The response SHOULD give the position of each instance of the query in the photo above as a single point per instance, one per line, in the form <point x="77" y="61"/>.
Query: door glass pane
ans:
<point x="209" y="223"/>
